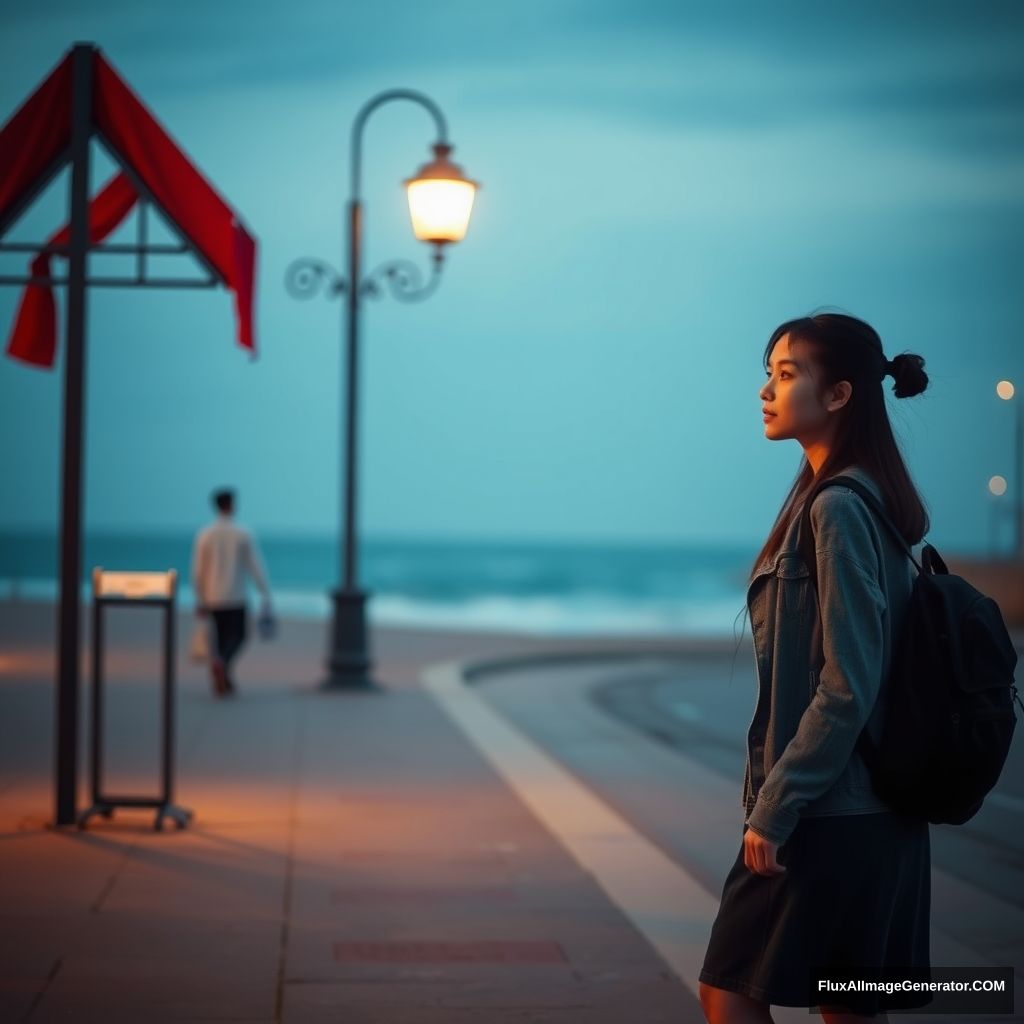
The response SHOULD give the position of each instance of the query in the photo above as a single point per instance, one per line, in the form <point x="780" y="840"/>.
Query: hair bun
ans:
<point x="907" y="370"/>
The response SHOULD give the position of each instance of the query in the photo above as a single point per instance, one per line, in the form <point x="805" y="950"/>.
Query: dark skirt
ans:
<point x="855" y="896"/>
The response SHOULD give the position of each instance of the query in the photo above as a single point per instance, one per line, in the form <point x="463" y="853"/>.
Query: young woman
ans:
<point x="827" y="874"/>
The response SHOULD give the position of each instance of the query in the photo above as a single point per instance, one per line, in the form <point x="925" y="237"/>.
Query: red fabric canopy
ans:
<point x="40" y="132"/>
<point x="34" y="337"/>
<point x="35" y="137"/>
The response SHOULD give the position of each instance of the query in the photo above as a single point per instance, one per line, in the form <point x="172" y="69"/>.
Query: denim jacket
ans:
<point x="801" y="760"/>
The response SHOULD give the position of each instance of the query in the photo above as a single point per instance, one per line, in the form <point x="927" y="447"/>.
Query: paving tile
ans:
<point x="517" y="994"/>
<point x="161" y="989"/>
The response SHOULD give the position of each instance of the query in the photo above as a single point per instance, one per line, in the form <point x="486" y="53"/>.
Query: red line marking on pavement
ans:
<point x="484" y="859"/>
<point x="410" y="894"/>
<point x="484" y="952"/>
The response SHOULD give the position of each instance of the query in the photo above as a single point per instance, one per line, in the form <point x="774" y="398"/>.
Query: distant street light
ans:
<point x="1006" y="391"/>
<point x="440" y="200"/>
<point x="997" y="488"/>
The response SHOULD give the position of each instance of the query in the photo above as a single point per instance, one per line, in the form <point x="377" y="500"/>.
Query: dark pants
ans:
<point x="229" y="627"/>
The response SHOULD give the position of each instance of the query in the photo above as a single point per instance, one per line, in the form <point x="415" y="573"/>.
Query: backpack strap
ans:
<point x="805" y="535"/>
<point x="805" y="542"/>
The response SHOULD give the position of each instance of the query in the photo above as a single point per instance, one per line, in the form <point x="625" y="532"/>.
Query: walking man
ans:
<point x="223" y="556"/>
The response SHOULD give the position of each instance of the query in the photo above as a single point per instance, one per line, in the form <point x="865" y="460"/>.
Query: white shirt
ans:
<point x="223" y="554"/>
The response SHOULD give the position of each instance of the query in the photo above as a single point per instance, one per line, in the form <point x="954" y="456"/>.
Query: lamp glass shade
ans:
<point x="440" y="208"/>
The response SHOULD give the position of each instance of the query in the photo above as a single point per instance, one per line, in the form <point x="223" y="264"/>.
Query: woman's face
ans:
<point x="790" y="395"/>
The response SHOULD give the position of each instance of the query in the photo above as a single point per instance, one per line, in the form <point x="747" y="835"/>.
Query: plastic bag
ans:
<point x="199" y="642"/>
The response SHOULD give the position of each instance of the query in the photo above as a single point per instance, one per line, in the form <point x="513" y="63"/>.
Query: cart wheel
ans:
<point x="108" y="813"/>
<point x="158" y="825"/>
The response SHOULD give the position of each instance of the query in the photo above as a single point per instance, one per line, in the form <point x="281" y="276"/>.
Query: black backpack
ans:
<point x="950" y="718"/>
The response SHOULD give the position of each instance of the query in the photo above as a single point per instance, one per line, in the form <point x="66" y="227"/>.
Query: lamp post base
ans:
<point x="348" y="662"/>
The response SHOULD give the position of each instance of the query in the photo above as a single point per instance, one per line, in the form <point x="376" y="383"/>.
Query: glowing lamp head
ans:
<point x="440" y="199"/>
<point x="997" y="486"/>
<point x="1004" y="389"/>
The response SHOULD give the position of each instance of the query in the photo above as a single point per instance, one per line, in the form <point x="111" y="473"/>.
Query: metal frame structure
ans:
<point x="83" y="129"/>
<point x="104" y="804"/>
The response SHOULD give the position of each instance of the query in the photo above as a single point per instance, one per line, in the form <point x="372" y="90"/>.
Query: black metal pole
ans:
<point x="355" y="224"/>
<point x="97" y="690"/>
<point x="348" y="662"/>
<point x="169" y="614"/>
<point x="74" y="418"/>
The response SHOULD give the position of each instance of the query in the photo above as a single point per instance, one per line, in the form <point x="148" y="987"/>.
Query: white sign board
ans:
<point x="134" y="584"/>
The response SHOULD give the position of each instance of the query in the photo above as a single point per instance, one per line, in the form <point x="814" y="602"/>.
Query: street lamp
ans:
<point x="440" y="199"/>
<point x="1006" y="391"/>
<point x="440" y="202"/>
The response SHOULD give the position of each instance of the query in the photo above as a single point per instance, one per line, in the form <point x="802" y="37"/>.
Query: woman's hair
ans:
<point x="845" y="348"/>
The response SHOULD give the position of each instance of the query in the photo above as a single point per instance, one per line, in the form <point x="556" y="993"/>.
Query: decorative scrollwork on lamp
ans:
<point x="305" y="277"/>
<point x="404" y="279"/>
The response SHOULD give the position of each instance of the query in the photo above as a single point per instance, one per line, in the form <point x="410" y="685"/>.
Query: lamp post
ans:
<point x="1006" y="391"/>
<point x="440" y="200"/>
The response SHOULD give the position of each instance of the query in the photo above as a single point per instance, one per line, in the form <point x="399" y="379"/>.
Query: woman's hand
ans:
<point x="759" y="854"/>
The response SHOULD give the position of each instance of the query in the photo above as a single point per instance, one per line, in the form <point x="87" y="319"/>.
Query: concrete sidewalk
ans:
<point x="352" y="857"/>
<point x="504" y="851"/>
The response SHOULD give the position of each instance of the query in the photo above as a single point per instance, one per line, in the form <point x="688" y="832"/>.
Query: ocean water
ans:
<point x="534" y="588"/>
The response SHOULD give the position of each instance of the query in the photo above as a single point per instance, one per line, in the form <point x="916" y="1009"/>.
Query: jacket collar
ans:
<point x="788" y="544"/>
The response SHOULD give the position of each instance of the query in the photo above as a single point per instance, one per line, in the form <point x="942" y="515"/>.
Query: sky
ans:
<point x="663" y="183"/>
